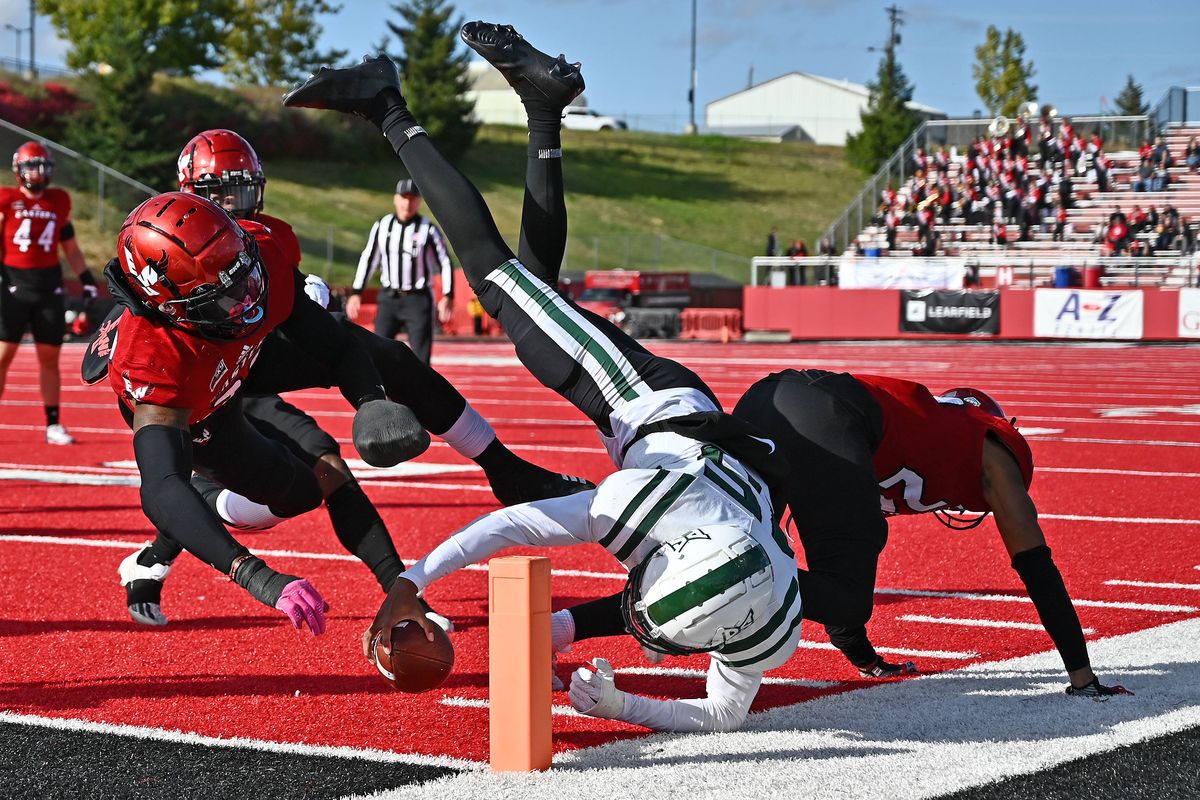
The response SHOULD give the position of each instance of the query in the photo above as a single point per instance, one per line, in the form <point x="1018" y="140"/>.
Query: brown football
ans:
<point x="416" y="664"/>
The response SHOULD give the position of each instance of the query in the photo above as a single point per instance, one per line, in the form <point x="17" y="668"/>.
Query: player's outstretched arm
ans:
<point x="724" y="708"/>
<point x="542" y="523"/>
<point x="1016" y="518"/>
<point x="162" y="445"/>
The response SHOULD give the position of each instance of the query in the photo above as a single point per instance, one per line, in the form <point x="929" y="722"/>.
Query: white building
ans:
<point x="796" y="107"/>
<point x="495" y="101"/>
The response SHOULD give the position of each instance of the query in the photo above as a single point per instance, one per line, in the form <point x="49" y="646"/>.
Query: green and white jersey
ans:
<point x="635" y="510"/>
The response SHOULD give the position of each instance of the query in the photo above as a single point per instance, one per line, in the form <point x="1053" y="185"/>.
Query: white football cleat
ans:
<point x="57" y="434"/>
<point x="143" y="589"/>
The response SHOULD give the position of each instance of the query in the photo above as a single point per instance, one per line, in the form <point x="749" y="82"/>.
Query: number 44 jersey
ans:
<point x="33" y="228"/>
<point x="931" y="455"/>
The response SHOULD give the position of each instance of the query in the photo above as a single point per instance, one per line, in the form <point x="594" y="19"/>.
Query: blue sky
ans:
<point x="636" y="54"/>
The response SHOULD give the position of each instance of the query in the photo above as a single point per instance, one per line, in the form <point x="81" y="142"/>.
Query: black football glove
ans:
<point x="1096" y="691"/>
<point x="882" y="669"/>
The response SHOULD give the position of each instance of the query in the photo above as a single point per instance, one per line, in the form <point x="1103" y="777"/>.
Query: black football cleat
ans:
<point x="534" y="75"/>
<point x="535" y="483"/>
<point x="351" y="90"/>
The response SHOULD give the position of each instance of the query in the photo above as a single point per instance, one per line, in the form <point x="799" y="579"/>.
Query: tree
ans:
<point x="887" y="120"/>
<point x="120" y="45"/>
<point x="1001" y="73"/>
<point x="434" y="73"/>
<point x="1129" y="102"/>
<point x="274" y="42"/>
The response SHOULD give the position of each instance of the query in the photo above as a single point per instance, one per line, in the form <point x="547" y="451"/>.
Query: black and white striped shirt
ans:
<point x="405" y="253"/>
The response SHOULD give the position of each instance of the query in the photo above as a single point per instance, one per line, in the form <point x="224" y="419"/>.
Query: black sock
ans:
<point x="598" y="618"/>
<point x="496" y="458"/>
<point x="391" y="114"/>
<point x="51" y="415"/>
<point x="361" y="531"/>
<point x="161" y="551"/>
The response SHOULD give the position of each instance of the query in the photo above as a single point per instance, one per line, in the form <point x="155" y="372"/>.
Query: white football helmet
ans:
<point x="699" y="591"/>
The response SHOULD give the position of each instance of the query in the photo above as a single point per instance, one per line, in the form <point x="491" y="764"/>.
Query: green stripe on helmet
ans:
<point x="700" y="591"/>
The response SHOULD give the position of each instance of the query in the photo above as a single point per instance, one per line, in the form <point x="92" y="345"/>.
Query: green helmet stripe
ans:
<point x="703" y="589"/>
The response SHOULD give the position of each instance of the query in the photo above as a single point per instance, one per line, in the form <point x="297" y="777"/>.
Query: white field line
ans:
<point x="953" y="655"/>
<point x="123" y="544"/>
<point x="181" y="737"/>
<point x="1194" y="587"/>
<point x="473" y="702"/>
<point x="1011" y="598"/>
<point x="1121" y="520"/>
<point x="980" y="623"/>
<point x="924" y="737"/>
<point x="1135" y="473"/>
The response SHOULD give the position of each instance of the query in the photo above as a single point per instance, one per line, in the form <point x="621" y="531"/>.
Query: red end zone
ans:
<point x="1114" y="432"/>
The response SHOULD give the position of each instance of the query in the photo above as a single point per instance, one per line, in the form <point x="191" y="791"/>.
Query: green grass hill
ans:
<point x="640" y="200"/>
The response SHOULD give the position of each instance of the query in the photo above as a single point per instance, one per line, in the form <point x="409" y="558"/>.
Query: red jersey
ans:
<point x="164" y="366"/>
<point x="283" y="236"/>
<point x="33" y="226"/>
<point x="931" y="454"/>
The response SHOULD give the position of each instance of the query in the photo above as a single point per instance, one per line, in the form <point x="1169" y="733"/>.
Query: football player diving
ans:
<point x="861" y="448"/>
<point x="687" y="511"/>
<point x="222" y="166"/>
<point x="199" y="294"/>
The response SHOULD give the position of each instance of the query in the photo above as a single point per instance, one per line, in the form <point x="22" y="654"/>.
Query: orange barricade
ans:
<point x="711" y="324"/>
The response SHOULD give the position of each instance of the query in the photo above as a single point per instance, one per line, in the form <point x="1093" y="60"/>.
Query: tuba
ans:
<point x="999" y="126"/>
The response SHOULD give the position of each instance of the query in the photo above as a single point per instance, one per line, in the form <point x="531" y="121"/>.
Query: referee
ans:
<point x="406" y="248"/>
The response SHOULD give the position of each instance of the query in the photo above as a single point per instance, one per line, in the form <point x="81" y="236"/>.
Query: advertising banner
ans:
<point x="1087" y="314"/>
<point x="939" y="311"/>
<point x="901" y="273"/>
<point x="1189" y="313"/>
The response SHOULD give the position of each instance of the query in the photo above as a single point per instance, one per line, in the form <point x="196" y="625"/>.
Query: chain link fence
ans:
<point x="101" y="197"/>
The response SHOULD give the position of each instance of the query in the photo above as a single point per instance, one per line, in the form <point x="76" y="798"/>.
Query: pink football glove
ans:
<point x="303" y="603"/>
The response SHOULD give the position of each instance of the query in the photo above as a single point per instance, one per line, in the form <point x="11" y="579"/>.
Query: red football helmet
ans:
<point x="975" y="397"/>
<point x="223" y="167"/>
<point x="184" y="257"/>
<point x="33" y="166"/>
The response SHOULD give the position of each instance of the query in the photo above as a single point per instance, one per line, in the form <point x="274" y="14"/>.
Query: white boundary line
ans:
<point x="980" y="623"/>
<point x="1195" y="587"/>
<point x="1012" y="598"/>
<point x="181" y="737"/>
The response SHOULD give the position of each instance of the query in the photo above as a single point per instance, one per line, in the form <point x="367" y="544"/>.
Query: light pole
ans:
<point x="691" y="128"/>
<point x="18" y="32"/>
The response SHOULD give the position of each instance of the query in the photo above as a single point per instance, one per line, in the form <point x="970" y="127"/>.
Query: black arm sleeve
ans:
<point x="164" y="457"/>
<point x="315" y="332"/>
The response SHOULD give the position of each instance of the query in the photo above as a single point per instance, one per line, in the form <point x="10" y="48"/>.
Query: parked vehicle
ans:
<point x="581" y="118"/>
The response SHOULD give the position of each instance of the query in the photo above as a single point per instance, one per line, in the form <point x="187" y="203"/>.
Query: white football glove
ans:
<point x="595" y="693"/>
<point x="317" y="290"/>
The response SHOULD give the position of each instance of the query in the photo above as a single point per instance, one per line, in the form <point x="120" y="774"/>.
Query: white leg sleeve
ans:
<point x="470" y="434"/>
<point x="245" y="514"/>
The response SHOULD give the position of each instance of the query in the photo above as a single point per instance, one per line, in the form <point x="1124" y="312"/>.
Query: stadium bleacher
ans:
<point x="1084" y="235"/>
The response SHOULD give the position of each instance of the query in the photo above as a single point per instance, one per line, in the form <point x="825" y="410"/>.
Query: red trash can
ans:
<point x="1091" y="277"/>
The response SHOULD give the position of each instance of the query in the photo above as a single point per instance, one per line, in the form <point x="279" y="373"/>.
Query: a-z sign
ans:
<point x="1084" y="314"/>
<point x="1189" y="313"/>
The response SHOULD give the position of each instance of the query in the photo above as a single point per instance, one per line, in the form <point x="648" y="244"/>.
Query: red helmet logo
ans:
<point x="975" y="397"/>
<point x="223" y="167"/>
<point x="33" y="166"/>
<point x="186" y="258"/>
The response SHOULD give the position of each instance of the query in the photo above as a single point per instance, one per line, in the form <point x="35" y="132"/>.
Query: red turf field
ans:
<point x="1115" y="433"/>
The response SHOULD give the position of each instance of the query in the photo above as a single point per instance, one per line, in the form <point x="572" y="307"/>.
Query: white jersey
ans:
<point x="669" y="484"/>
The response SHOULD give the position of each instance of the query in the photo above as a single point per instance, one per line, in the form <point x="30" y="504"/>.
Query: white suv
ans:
<point x="581" y="118"/>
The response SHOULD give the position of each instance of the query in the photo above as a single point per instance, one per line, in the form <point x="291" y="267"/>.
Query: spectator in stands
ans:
<point x="773" y="242"/>
<point x="1143" y="177"/>
<point x="941" y="160"/>
<point x="1146" y="150"/>
<point x="1161" y="179"/>
<point x="920" y="161"/>
<point x="999" y="231"/>
<point x="1138" y="220"/>
<point x="826" y="248"/>
<point x="1066" y="188"/>
<point x="1060" y="223"/>
<point x="1116" y="235"/>
<point x="798" y="249"/>
<point x="1161" y="156"/>
<point x="1192" y="154"/>
<point x="1187" y="237"/>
